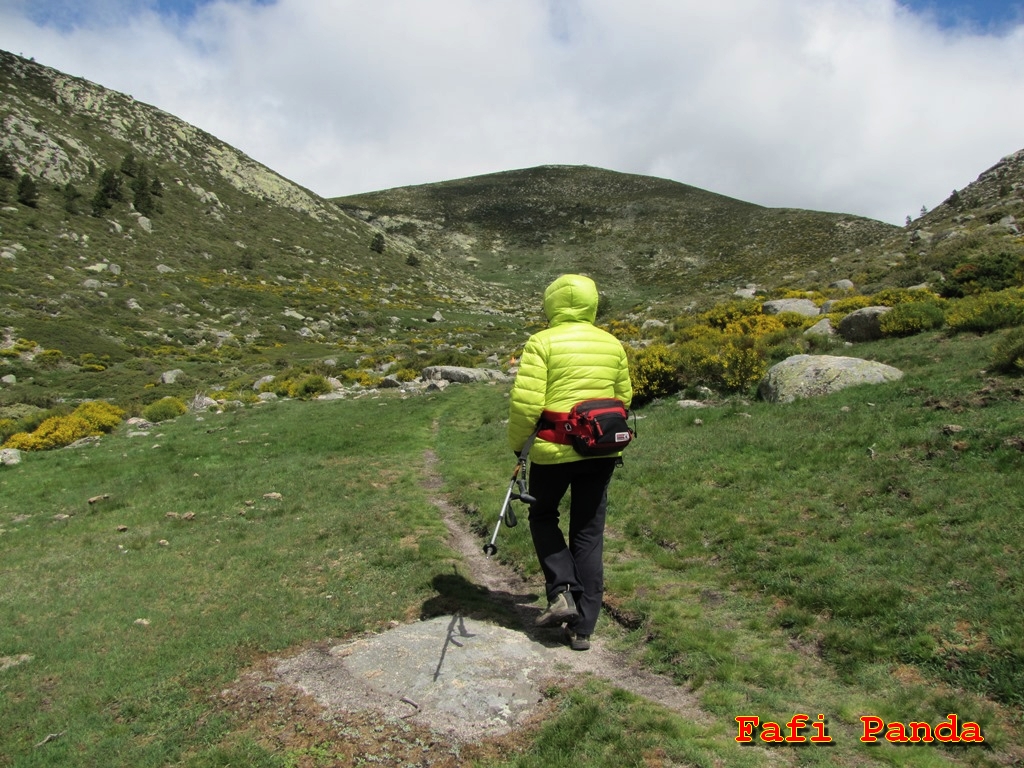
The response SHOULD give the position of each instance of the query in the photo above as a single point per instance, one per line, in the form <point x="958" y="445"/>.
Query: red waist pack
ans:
<point x="593" y="427"/>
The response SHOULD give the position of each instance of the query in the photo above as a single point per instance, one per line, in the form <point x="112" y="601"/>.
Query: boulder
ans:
<point x="863" y="324"/>
<point x="843" y="285"/>
<point x="802" y="376"/>
<point x="804" y="307"/>
<point x="460" y="375"/>
<point x="821" y="328"/>
<point x="10" y="456"/>
<point x="260" y="382"/>
<point x="169" y="377"/>
<point x="203" y="403"/>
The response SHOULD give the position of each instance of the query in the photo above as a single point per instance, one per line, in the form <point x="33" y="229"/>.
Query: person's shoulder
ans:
<point x="607" y="335"/>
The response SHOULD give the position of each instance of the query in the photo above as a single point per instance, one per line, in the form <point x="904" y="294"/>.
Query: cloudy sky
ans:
<point x="873" y="107"/>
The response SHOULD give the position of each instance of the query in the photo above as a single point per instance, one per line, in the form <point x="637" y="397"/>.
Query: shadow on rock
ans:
<point x="457" y="595"/>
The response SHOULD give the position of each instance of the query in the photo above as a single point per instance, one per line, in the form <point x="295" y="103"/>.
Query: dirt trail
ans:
<point x="505" y="585"/>
<point x="466" y="678"/>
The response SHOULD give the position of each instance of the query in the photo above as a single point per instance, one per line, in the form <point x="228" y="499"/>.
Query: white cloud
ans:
<point x="845" y="105"/>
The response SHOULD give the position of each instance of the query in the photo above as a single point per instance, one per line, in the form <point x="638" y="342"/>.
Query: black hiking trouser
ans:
<point x="577" y="567"/>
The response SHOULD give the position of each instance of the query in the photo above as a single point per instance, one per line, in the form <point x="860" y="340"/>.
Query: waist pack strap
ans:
<point x="555" y="428"/>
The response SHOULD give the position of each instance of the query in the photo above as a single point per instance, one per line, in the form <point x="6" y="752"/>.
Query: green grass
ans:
<point x="849" y="556"/>
<point x="247" y="575"/>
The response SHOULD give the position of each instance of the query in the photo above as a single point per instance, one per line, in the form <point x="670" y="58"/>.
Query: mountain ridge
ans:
<point x="238" y="271"/>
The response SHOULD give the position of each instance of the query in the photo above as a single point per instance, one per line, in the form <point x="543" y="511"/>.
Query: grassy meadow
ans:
<point x="851" y="555"/>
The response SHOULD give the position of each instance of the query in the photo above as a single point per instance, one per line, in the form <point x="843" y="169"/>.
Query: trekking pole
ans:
<point x="518" y="477"/>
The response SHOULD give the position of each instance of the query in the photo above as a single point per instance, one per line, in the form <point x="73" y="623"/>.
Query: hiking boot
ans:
<point x="577" y="642"/>
<point x="561" y="610"/>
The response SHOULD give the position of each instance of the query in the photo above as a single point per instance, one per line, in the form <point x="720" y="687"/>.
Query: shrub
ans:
<point x="794" y="320"/>
<point x="984" y="272"/>
<point x="721" y="315"/>
<point x="987" y="312"/>
<point x="652" y="372"/>
<point x="894" y="297"/>
<point x="1008" y="353"/>
<point x="362" y="378"/>
<point x="49" y="358"/>
<point x="406" y="374"/>
<point x="55" y="432"/>
<point x="907" y="319"/>
<point x="740" y="366"/>
<point x="622" y="329"/>
<point x="757" y="325"/>
<point x="453" y="357"/>
<point x="100" y="415"/>
<point x="308" y="386"/>
<point x="90" y="362"/>
<point x="852" y="304"/>
<point x="164" y="409"/>
<point x="8" y="427"/>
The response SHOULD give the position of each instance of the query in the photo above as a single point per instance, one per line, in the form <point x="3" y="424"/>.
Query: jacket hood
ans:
<point x="571" y="299"/>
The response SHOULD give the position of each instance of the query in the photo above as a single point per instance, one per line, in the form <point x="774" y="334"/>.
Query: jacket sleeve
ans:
<point x="623" y="384"/>
<point x="529" y="394"/>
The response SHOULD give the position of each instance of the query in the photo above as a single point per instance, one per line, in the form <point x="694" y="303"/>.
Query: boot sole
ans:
<point x="555" y="619"/>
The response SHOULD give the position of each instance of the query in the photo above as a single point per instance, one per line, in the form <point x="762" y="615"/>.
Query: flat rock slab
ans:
<point x="468" y="678"/>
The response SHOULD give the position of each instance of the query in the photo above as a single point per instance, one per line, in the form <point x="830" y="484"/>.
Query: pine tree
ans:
<point x="143" y="198"/>
<point x="71" y="198"/>
<point x="129" y="165"/>
<point x="107" y="193"/>
<point x="28" y="192"/>
<point x="7" y="169"/>
<point x="377" y="244"/>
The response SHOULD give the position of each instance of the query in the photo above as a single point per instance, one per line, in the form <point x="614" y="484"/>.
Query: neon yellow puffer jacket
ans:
<point x="569" y="361"/>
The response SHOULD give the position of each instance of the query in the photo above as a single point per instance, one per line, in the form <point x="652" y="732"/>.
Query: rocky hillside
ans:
<point x="127" y="234"/>
<point x="132" y="242"/>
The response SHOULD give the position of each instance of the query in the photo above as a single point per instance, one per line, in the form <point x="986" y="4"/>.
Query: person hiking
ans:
<point x="570" y="361"/>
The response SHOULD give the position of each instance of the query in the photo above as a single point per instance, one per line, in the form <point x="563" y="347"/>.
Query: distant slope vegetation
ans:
<point x="154" y="235"/>
<point x="131" y="241"/>
<point x="648" y="236"/>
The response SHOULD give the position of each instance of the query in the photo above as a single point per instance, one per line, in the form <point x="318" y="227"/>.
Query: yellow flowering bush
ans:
<point x="721" y="315"/>
<point x="893" y="297"/>
<point x="622" y="329"/>
<point x="987" y="312"/>
<point x="49" y="358"/>
<point x="756" y="325"/>
<point x="740" y="366"/>
<point x="851" y="304"/>
<point x="406" y="374"/>
<point x="363" y="378"/>
<point x="652" y="372"/>
<point x="308" y="386"/>
<point x="912" y="317"/>
<point x="55" y="432"/>
<point x="100" y="415"/>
